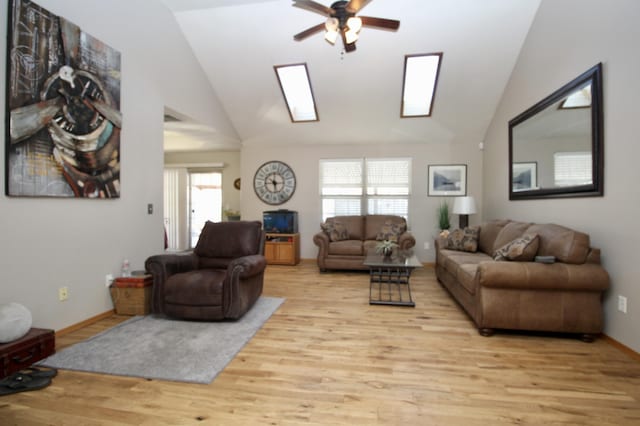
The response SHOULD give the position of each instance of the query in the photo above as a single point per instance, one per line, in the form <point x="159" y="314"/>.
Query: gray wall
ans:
<point x="306" y="199"/>
<point x="51" y="243"/>
<point x="567" y="38"/>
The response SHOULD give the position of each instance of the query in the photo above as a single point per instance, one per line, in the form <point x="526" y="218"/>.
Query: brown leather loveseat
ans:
<point x="345" y="240"/>
<point x="517" y="292"/>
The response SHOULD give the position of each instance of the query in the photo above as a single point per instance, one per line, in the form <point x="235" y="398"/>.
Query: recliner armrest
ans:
<point x="247" y="266"/>
<point x="161" y="267"/>
<point x="172" y="263"/>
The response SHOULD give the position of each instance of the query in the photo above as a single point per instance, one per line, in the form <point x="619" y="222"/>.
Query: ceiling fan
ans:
<point x="342" y="20"/>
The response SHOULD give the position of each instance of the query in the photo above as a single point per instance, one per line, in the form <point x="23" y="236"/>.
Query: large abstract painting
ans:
<point x="63" y="108"/>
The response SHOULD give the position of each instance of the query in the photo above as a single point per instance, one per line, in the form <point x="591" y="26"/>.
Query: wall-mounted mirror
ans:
<point x="556" y="146"/>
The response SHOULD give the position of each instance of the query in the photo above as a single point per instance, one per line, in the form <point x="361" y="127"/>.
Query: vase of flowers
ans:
<point x="386" y="247"/>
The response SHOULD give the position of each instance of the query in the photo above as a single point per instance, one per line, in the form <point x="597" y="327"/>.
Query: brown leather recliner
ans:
<point x="221" y="279"/>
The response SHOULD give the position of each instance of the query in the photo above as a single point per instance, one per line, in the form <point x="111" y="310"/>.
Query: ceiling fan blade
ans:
<point x="354" y="6"/>
<point x="389" y="24"/>
<point x="309" y="31"/>
<point x="314" y="7"/>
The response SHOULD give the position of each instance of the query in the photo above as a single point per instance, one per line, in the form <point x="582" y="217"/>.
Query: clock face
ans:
<point x="274" y="182"/>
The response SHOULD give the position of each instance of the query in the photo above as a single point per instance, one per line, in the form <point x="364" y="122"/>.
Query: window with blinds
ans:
<point x="365" y="186"/>
<point x="572" y="168"/>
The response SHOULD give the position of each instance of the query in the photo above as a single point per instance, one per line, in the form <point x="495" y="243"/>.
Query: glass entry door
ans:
<point x="205" y="201"/>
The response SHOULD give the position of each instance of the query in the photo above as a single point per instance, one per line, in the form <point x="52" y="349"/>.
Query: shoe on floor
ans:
<point x="21" y="382"/>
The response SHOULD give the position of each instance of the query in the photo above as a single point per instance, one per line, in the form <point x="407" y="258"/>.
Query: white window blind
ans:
<point x="572" y="168"/>
<point x="375" y="186"/>
<point x="171" y="206"/>
<point x="341" y="187"/>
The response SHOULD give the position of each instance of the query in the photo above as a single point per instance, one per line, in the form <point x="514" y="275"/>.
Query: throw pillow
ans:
<point x="336" y="231"/>
<point x="464" y="239"/>
<point x="522" y="249"/>
<point x="391" y="231"/>
<point x="15" y="322"/>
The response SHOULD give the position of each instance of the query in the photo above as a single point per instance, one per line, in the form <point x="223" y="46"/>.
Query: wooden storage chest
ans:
<point x="37" y="344"/>
<point x="132" y="295"/>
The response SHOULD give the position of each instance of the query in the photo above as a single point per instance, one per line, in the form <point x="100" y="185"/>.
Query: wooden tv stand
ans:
<point x="282" y="249"/>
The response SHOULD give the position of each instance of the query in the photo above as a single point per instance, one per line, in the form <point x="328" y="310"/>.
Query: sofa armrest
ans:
<point x="321" y="239"/>
<point x="539" y="276"/>
<point x="161" y="267"/>
<point x="406" y="241"/>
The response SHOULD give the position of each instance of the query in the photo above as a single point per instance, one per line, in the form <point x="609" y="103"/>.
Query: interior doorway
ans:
<point x="205" y="201"/>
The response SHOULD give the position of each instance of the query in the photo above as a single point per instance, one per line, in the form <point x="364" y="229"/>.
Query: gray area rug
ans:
<point x="155" y="347"/>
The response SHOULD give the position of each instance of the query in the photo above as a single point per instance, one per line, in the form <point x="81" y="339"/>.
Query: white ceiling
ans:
<point x="357" y="94"/>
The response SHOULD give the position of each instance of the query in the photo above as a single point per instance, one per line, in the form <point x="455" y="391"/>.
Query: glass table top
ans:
<point x="398" y="258"/>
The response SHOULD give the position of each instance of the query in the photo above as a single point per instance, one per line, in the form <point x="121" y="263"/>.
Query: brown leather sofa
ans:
<point x="361" y="233"/>
<point x="221" y="279"/>
<point x="565" y="296"/>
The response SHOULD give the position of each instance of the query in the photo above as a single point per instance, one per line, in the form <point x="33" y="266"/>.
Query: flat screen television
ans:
<point x="280" y="221"/>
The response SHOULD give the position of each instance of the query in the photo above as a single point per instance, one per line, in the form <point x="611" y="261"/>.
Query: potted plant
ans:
<point x="232" y="215"/>
<point x="385" y="247"/>
<point x="443" y="217"/>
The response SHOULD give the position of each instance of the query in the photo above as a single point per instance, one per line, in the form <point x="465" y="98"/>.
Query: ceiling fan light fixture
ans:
<point x="350" y="36"/>
<point x="354" y="23"/>
<point x="331" y="24"/>
<point x="331" y="36"/>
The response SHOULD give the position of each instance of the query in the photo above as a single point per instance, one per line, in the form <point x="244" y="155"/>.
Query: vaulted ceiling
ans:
<point x="358" y="94"/>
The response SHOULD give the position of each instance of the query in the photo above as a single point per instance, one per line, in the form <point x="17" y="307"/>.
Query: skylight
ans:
<point x="419" y="86"/>
<point x="296" y="89"/>
<point x="579" y="99"/>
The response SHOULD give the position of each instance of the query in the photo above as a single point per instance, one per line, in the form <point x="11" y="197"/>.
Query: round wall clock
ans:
<point x="274" y="182"/>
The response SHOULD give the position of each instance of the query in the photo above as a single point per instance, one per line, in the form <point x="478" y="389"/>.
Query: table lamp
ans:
<point x="464" y="206"/>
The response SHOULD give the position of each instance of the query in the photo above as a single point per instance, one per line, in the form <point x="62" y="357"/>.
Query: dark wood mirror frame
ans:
<point x="596" y="187"/>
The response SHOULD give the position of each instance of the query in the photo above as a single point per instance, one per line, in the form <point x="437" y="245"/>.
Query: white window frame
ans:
<point x="361" y="195"/>
<point x="582" y="162"/>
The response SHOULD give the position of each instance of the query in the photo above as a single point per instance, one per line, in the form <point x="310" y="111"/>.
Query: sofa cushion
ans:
<point x="522" y="249"/>
<point x="488" y="233"/>
<point x="565" y="244"/>
<point x="508" y="233"/>
<point x="346" y="247"/>
<point x="466" y="274"/>
<point x="336" y="231"/>
<point x="373" y="223"/>
<point x="354" y="225"/>
<point x="463" y="266"/>
<point x="464" y="239"/>
<point x="391" y="230"/>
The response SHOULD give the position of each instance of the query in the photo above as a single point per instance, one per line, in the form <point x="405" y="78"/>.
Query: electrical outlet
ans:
<point x="622" y="304"/>
<point x="427" y="246"/>
<point x="108" y="279"/>
<point x="63" y="293"/>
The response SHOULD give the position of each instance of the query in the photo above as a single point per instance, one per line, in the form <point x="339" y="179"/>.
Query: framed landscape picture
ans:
<point x="448" y="180"/>
<point x="524" y="176"/>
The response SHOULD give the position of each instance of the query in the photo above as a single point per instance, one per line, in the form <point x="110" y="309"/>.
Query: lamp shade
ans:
<point x="464" y="205"/>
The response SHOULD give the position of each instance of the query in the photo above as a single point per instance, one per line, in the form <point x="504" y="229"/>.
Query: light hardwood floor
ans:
<point x="327" y="357"/>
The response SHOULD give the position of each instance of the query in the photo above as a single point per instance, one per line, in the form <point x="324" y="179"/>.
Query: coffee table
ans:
<point x="389" y="277"/>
